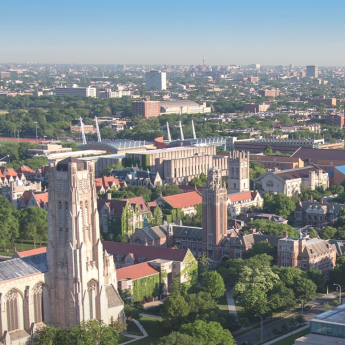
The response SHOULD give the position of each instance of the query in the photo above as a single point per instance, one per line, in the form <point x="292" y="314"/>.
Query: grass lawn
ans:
<point x="153" y="329"/>
<point x="222" y="303"/>
<point x="133" y="329"/>
<point x="26" y="245"/>
<point x="123" y="339"/>
<point x="291" y="339"/>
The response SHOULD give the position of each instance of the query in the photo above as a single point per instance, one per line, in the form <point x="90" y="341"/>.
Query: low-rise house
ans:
<point x="106" y="183"/>
<point x="171" y="236"/>
<point x="238" y="203"/>
<point x="27" y="172"/>
<point x="316" y="214"/>
<point x="289" y="181"/>
<point x="174" y="263"/>
<point x="137" y="177"/>
<point x="187" y="202"/>
<point x="141" y="281"/>
<point x="123" y="216"/>
<point x="14" y="191"/>
<point x="306" y="253"/>
<point x="30" y="198"/>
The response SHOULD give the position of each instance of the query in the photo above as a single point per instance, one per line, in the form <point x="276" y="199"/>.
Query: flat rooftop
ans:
<point x="171" y="149"/>
<point x="336" y="315"/>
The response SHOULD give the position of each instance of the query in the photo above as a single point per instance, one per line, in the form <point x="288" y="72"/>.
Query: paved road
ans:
<point x="254" y="335"/>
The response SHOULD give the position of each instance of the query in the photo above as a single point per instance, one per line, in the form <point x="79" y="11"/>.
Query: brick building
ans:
<point x="306" y="253"/>
<point x="146" y="108"/>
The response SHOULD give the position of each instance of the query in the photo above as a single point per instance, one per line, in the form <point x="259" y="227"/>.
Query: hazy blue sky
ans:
<point x="269" y="32"/>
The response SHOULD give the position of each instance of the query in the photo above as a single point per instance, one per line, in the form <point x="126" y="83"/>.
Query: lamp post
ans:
<point x="339" y="293"/>
<point x="301" y="304"/>
<point x="36" y="132"/>
<point x="262" y="327"/>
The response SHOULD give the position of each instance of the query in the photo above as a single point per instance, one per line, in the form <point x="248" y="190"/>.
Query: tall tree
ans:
<point x="213" y="283"/>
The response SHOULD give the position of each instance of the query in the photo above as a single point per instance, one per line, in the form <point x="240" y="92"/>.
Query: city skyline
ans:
<point x="228" y="32"/>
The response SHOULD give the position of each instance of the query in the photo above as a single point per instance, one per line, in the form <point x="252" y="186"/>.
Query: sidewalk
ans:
<point x="135" y="337"/>
<point x="152" y="304"/>
<point x="231" y="303"/>
<point x="286" y="335"/>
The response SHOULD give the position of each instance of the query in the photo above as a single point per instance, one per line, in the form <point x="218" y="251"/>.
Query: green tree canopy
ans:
<point x="211" y="332"/>
<point x="279" y="204"/>
<point x="213" y="283"/>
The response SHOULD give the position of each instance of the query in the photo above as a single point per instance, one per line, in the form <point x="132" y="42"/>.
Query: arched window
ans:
<point x="12" y="310"/>
<point x="66" y="220"/>
<point x="269" y="183"/>
<point x="86" y="214"/>
<point x="92" y="291"/>
<point x="37" y="295"/>
<point x="234" y="185"/>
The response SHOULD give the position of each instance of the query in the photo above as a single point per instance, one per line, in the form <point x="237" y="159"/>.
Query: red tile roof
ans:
<point x="138" y="200"/>
<point x="25" y="169"/>
<point x="8" y="171"/>
<point x="116" y="206"/>
<point x="183" y="200"/>
<point x="242" y="196"/>
<point x="189" y="188"/>
<point x="107" y="182"/>
<point x="41" y="198"/>
<point x="150" y="253"/>
<point x="32" y="252"/>
<point x="135" y="271"/>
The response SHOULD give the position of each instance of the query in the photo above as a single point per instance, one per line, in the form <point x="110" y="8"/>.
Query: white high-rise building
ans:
<point x="156" y="80"/>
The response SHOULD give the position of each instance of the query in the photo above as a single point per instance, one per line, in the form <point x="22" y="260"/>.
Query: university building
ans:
<point x="75" y="280"/>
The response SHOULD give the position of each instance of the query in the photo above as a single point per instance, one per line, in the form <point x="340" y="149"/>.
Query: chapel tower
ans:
<point x="82" y="280"/>
<point x="238" y="172"/>
<point x="214" y="214"/>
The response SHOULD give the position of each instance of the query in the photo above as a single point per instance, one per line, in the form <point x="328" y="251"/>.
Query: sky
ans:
<point x="279" y="32"/>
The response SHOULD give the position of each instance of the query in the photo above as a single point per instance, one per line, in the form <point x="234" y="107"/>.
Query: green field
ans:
<point x="153" y="329"/>
<point x="291" y="339"/>
<point x="19" y="246"/>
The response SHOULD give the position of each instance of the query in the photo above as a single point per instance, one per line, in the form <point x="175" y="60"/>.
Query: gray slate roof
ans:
<point x="189" y="232"/>
<point x="114" y="298"/>
<point x="21" y="267"/>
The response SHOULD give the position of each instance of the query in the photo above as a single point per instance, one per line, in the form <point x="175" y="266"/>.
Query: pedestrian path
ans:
<point x="286" y="335"/>
<point x="231" y="303"/>
<point x="150" y="315"/>
<point x="135" y="337"/>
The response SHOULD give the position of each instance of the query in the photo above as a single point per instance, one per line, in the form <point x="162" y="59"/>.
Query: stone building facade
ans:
<point x="214" y="215"/>
<point x="74" y="280"/>
<point x="238" y="172"/>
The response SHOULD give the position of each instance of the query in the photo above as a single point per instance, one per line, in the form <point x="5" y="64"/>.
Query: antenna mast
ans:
<point x="82" y="131"/>
<point x="181" y="131"/>
<point x="193" y="128"/>
<point x="168" y="131"/>
<point x="99" y="139"/>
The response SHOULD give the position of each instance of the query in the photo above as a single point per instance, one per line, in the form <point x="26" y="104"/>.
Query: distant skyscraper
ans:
<point x="312" y="71"/>
<point x="156" y="80"/>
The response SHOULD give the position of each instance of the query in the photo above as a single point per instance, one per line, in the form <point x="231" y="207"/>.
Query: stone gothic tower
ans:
<point x="238" y="172"/>
<point x="83" y="282"/>
<point x="214" y="214"/>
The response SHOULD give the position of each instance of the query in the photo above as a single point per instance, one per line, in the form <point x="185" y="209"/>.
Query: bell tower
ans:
<point x="77" y="274"/>
<point x="238" y="172"/>
<point x="214" y="214"/>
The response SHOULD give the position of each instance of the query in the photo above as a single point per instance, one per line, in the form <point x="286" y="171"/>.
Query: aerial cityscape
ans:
<point x="172" y="174"/>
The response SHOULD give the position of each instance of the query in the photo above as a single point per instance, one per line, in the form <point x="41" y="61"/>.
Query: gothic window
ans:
<point x="234" y="185"/>
<point x="237" y="173"/>
<point x="37" y="294"/>
<point x="92" y="291"/>
<point x="65" y="186"/>
<point x="86" y="214"/>
<point x="66" y="215"/>
<point x="58" y="184"/>
<point x="269" y="183"/>
<point x="79" y="184"/>
<point x="81" y="213"/>
<point x="12" y="310"/>
<point x="85" y="184"/>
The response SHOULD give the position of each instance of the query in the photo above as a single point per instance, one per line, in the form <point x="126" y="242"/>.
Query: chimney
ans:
<point x="252" y="231"/>
<point x="310" y="198"/>
<point x="108" y="196"/>
<point x="285" y="234"/>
